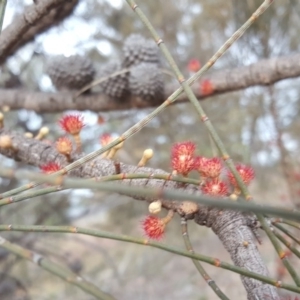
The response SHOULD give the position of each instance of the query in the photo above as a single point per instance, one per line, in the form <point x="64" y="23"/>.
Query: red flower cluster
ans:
<point x="194" y="65"/>
<point x="64" y="145"/>
<point x="246" y="173"/>
<point x="154" y="227"/>
<point x="49" y="168"/>
<point x="105" y="139"/>
<point x="72" y="124"/>
<point x="206" y="87"/>
<point x="215" y="187"/>
<point x="208" y="167"/>
<point x="182" y="157"/>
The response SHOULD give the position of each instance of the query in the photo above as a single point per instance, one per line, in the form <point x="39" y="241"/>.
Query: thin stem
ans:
<point x="92" y="232"/>
<point x="193" y="99"/>
<point x="287" y="232"/>
<point x="287" y="243"/>
<point x="284" y="221"/>
<point x="100" y="80"/>
<point x="197" y="264"/>
<point x="28" y="195"/>
<point x="153" y="193"/>
<point x="55" y="269"/>
<point x="2" y="12"/>
<point x="17" y="190"/>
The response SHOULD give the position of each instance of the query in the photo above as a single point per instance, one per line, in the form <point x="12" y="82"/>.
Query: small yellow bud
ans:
<point x="5" y="108"/>
<point x="28" y="135"/>
<point x="6" y="142"/>
<point x="233" y="197"/>
<point x="1" y="120"/>
<point x="42" y="133"/>
<point x="147" y="155"/>
<point x="114" y="150"/>
<point x="155" y="207"/>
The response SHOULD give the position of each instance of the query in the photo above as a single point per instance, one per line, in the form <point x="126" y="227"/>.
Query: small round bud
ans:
<point x="5" y="142"/>
<point x="155" y="207"/>
<point x="147" y="155"/>
<point x="42" y="133"/>
<point x="28" y="135"/>
<point x="1" y="119"/>
<point x="233" y="197"/>
<point x="6" y="108"/>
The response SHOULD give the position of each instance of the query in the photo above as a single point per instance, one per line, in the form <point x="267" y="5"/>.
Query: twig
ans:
<point x="92" y="232"/>
<point x="55" y="269"/>
<point x="100" y="80"/>
<point x="152" y="193"/>
<point x="287" y="232"/>
<point x="13" y="199"/>
<point x="284" y="221"/>
<point x="197" y="264"/>
<point x="287" y="243"/>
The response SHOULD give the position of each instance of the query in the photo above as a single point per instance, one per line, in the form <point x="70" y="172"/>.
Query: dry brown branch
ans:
<point x="36" y="19"/>
<point x="264" y="72"/>
<point x="231" y="227"/>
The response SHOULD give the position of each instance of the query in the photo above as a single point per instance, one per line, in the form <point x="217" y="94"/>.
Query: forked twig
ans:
<point x="197" y="264"/>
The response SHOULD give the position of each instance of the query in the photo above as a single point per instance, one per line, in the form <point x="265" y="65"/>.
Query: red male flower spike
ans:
<point x="72" y="124"/>
<point x="105" y="139"/>
<point x="50" y="168"/>
<point x="215" y="187"/>
<point x="182" y="157"/>
<point x="154" y="227"/>
<point x="208" y="167"/>
<point x="194" y="65"/>
<point x="206" y="87"/>
<point x="246" y="173"/>
<point x="64" y="145"/>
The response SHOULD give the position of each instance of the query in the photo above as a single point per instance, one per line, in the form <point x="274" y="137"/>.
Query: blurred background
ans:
<point x="259" y="126"/>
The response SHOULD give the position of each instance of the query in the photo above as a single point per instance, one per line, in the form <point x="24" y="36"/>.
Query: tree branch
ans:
<point x="264" y="72"/>
<point x="231" y="227"/>
<point x="36" y="19"/>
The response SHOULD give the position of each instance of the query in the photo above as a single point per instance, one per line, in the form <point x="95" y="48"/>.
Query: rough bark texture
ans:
<point x="264" y="72"/>
<point x="230" y="227"/>
<point x="36" y="19"/>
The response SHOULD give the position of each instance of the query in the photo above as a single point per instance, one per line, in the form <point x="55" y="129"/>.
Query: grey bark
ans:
<point x="231" y="227"/>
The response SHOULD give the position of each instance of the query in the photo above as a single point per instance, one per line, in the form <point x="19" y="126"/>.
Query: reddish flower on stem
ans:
<point x="105" y="139"/>
<point x="49" y="168"/>
<point x="206" y="87"/>
<point x="154" y="227"/>
<point x="64" y="145"/>
<point x="182" y="157"/>
<point x="215" y="187"/>
<point x="72" y="124"/>
<point x="208" y="167"/>
<point x="246" y="173"/>
<point x="194" y="65"/>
